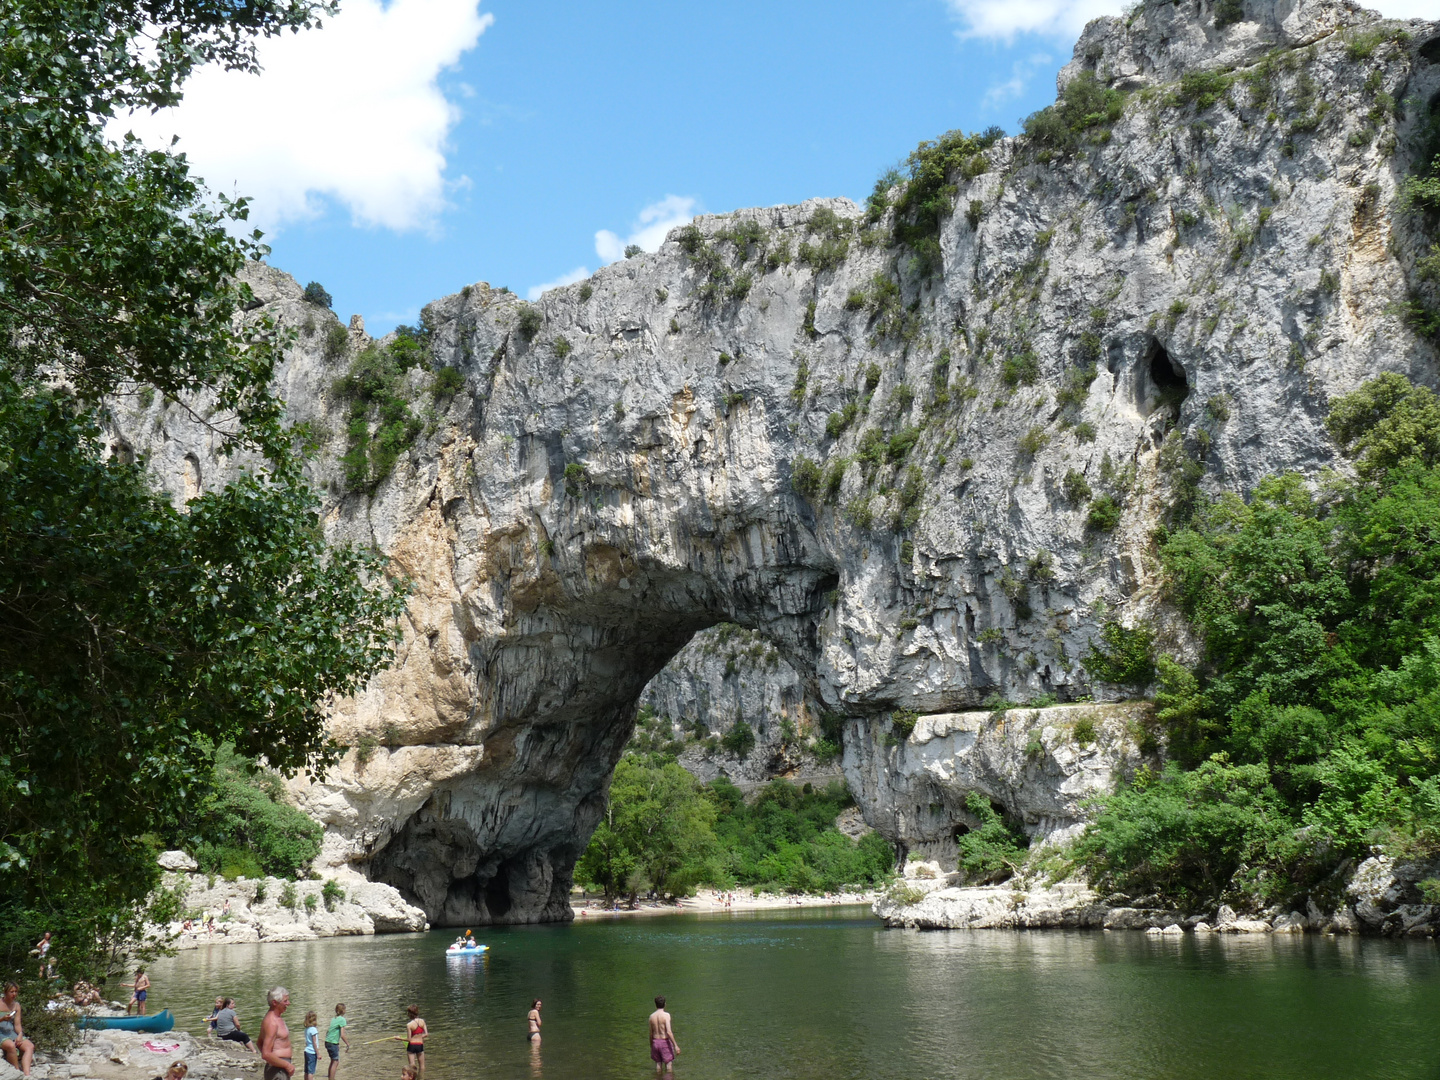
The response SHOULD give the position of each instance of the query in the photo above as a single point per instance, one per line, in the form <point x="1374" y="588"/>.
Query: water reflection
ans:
<point x="808" y="994"/>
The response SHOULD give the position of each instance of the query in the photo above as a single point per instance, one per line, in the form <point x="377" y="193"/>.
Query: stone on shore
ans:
<point x="277" y="910"/>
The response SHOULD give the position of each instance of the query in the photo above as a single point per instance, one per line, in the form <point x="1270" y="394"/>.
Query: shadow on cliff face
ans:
<point x="498" y="844"/>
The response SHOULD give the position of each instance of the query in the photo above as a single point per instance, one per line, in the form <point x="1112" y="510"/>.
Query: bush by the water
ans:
<point x="1311" y="730"/>
<point x="246" y="828"/>
<point x="664" y="830"/>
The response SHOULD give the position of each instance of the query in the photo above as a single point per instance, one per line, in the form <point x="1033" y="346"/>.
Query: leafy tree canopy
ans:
<point x="135" y="637"/>
<point x="664" y="831"/>
<point x="1311" y="731"/>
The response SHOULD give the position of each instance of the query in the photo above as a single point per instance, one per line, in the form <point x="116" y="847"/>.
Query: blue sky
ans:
<point x="407" y="149"/>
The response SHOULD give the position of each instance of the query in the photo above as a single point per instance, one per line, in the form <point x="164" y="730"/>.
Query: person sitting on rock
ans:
<point x="85" y="994"/>
<point x="18" y="1050"/>
<point x="227" y="1026"/>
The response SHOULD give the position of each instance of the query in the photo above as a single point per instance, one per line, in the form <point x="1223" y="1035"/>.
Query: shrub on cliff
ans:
<point x="928" y="195"/>
<point x="248" y="827"/>
<point x="995" y="848"/>
<point x="1085" y="110"/>
<point x="1309" y="728"/>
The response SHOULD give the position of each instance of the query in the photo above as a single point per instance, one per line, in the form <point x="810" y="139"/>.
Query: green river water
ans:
<point x="830" y="993"/>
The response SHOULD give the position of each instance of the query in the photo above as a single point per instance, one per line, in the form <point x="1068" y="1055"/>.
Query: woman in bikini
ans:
<point x="415" y="1032"/>
<point x="19" y="1051"/>
<point x="533" y="1019"/>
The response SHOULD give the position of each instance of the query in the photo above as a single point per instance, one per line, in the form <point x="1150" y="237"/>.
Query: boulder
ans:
<point x="177" y="860"/>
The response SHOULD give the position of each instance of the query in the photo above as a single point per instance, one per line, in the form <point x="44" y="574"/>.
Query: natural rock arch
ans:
<point x="620" y="472"/>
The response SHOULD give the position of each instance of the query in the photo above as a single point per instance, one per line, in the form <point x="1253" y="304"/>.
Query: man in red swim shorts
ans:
<point x="663" y="1046"/>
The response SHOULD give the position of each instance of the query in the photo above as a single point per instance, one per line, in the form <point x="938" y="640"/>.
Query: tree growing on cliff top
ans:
<point x="135" y="637"/>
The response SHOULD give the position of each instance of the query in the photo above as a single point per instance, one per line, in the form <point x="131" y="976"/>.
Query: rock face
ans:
<point x="1037" y="766"/>
<point x="258" y="910"/>
<point x="728" y="675"/>
<point x="618" y="471"/>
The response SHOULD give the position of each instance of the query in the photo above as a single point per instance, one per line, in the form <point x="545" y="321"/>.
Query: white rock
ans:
<point x="177" y="860"/>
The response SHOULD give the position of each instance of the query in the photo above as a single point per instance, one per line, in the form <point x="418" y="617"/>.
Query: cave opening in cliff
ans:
<point x="1431" y="52"/>
<point x="1167" y="378"/>
<point x="497" y="893"/>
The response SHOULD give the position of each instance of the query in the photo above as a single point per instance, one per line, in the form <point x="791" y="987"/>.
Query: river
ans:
<point x="828" y="994"/>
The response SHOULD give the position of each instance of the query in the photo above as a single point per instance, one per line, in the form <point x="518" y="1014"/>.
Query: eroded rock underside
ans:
<point x="616" y="476"/>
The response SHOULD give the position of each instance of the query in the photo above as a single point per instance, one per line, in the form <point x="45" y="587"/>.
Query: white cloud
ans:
<point x="580" y="273"/>
<point x="649" y="228"/>
<point x="1064" y="19"/>
<point x="351" y="111"/>
<point x="1021" y="72"/>
<point x="1005" y="18"/>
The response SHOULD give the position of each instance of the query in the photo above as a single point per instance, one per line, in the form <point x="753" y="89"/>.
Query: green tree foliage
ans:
<point x="1085" y="110"/>
<point x="132" y="636"/>
<point x="1122" y="656"/>
<point x="657" y="832"/>
<point x="664" y="831"/>
<point x="243" y="824"/>
<point x="995" y="849"/>
<point x="135" y="637"/>
<point x="1309" y="732"/>
<point x="786" y="840"/>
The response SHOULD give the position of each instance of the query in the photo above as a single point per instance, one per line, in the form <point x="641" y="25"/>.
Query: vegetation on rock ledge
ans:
<point x="1309" y="734"/>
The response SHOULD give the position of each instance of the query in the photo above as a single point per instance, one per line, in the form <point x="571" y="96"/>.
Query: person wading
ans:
<point x="333" y="1038"/>
<point x="663" y="1047"/>
<point x="275" y="1037"/>
<point x="414" y="1039"/>
<point x="533" y="1019"/>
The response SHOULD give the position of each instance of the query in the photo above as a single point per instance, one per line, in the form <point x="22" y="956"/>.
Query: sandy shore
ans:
<point x="708" y="900"/>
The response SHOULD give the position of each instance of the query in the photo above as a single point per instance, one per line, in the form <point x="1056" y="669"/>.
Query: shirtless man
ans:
<point x="142" y="991"/>
<point x="275" y="1037"/>
<point x="663" y="1046"/>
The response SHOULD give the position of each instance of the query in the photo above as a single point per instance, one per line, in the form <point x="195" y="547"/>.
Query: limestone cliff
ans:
<point x="985" y="438"/>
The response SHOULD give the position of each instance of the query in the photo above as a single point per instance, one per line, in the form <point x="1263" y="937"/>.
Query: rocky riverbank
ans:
<point x="134" y="1055"/>
<point x="1381" y="896"/>
<point x="216" y="912"/>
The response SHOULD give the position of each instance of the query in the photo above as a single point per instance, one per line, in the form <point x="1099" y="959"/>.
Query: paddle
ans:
<point x="387" y="1038"/>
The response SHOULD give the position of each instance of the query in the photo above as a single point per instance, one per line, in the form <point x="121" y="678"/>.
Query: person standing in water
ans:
<point x="415" y="1032"/>
<point x="141" y="986"/>
<point x="663" y="1047"/>
<point x="333" y="1036"/>
<point x="533" y="1019"/>
<point x="312" y="1037"/>
<point x="275" y="1048"/>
